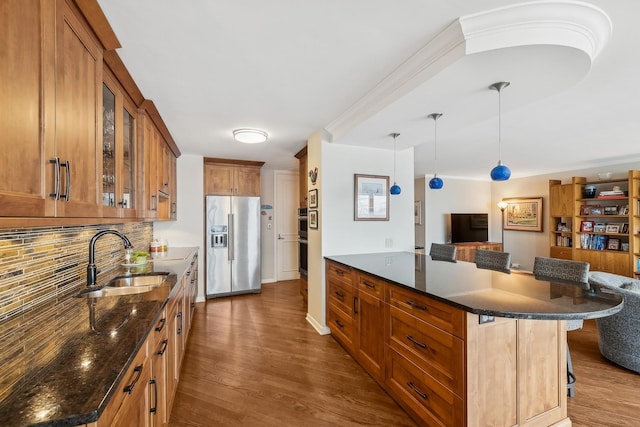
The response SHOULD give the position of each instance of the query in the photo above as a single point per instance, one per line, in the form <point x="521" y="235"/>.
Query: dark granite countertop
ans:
<point x="486" y="292"/>
<point x="76" y="386"/>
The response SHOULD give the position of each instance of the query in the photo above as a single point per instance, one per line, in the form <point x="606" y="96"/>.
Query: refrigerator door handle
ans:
<point x="231" y="250"/>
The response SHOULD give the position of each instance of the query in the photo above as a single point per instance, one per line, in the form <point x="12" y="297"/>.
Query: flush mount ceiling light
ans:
<point x="250" y="136"/>
<point x="500" y="172"/>
<point x="435" y="183"/>
<point x="395" y="188"/>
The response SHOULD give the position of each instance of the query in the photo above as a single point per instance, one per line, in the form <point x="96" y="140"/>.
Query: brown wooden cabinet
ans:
<point x="119" y="151"/>
<point x="303" y="176"/>
<point x="51" y="164"/>
<point x="440" y="363"/>
<point x="225" y="177"/>
<point x="467" y="251"/>
<point x="370" y="324"/>
<point x="611" y="241"/>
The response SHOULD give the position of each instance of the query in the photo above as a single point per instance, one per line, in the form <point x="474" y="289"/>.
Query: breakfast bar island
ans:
<point x="455" y="345"/>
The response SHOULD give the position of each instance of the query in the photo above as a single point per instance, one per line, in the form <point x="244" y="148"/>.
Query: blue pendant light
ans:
<point x="395" y="188"/>
<point x="435" y="183"/>
<point x="500" y="172"/>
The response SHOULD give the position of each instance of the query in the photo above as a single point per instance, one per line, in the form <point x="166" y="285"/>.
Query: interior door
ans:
<point x="286" y="226"/>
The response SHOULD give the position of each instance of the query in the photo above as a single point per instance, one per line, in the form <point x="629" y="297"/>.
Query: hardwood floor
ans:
<point x="253" y="360"/>
<point x="606" y="394"/>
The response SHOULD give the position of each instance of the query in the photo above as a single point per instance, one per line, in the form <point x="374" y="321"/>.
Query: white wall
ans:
<point x="188" y="229"/>
<point x="267" y="237"/>
<point x="338" y="233"/>
<point x="418" y="195"/>
<point x="457" y="195"/>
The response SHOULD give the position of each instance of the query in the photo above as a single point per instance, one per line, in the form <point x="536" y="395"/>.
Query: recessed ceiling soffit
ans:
<point x="562" y="23"/>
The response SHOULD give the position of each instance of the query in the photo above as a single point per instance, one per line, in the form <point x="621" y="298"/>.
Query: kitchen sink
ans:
<point x="126" y="285"/>
<point x="155" y="279"/>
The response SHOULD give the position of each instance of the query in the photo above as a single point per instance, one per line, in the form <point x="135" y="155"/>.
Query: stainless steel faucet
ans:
<point x="92" y="271"/>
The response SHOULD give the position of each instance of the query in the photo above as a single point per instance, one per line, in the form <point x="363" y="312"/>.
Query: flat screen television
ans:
<point x="469" y="227"/>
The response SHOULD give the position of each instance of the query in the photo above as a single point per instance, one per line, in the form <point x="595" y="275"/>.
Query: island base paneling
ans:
<point x="442" y="365"/>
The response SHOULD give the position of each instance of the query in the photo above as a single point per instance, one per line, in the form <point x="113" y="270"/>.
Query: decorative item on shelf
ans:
<point x="500" y="172"/>
<point x="612" y="228"/>
<point x="435" y="183"/>
<point x="589" y="191"/>
<point x="395" y="188"/>
<point x="313" y="175"/>
<point x="603" y="176"/>
<point x="586" y="226"/>
<point x="599" y="227"/>
<point x="613" y="244"/>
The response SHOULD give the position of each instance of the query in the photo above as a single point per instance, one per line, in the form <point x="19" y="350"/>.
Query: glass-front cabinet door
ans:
<point x="128" y="200"/>
<point x="118" y="151"/>
<point x="109" y="150"/>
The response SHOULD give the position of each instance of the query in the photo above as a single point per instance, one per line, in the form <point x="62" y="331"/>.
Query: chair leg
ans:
<point x="571" y="378"/>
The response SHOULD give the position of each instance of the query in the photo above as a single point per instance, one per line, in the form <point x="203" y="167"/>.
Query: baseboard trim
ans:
<point x="322" y="330"/>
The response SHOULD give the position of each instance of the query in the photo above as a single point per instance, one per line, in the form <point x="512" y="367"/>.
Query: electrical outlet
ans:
<point x="388" y="242"/>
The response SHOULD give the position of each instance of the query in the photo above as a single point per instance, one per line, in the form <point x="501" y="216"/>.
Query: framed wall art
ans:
<point x="524" y="214"/>
<point x="371" y="198"/>
<point x="313" y="198"/>
<point x="313" y="219"/>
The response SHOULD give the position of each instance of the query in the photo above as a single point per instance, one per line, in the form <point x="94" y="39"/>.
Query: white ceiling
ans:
<point x="293" y="67"/>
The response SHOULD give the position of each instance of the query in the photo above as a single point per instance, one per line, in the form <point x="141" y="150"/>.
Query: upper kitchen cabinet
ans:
<point x="224" y="177"/>
<point x="119" y="119"/>
<point x="51" y="151"/>
<point x="158" y="163"/>
<point x="302" y="176"/>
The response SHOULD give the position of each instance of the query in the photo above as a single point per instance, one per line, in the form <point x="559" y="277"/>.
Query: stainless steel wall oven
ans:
<point x="302" y="241"/>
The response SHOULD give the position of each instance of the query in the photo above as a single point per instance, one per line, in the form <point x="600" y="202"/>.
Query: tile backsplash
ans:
<point x="40" y="269"/>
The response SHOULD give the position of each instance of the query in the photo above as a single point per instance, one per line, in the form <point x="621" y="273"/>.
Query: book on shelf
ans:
<point x="593" y="241"/>
<point x="611" y="193"/>
<point x="564" y="241"/>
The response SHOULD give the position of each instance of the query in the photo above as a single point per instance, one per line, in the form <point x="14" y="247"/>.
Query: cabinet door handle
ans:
<point x="154" y="409"/>
<point x="67" y="194"/>
<point x="416" y="342"/>
<point x="154" y="204"/>
<point x="129" y="388"/>
<point x="415" y="389"/>
<point x="340" y="295"/>
<point x="179" y="330"/>
<point x="368" y="284"/>
<point x="161" y="324"/>
<point x="164" y="347"/>
<point x="414" y="305"/>
<point x="56" y="180"/>
<point x="355" y="305"/>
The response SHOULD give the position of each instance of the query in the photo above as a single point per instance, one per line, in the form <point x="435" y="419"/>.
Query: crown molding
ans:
<point x="435" y="56"/>
<point x="573" y="24"/>
<point x="567" y="23"/>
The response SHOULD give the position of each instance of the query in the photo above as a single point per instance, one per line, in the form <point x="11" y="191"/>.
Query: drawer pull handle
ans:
<point x="416" y="342"/>
<point x="339" y="272"/>
<point x="418" y="392"/>
<point x="129" y="388"/>
<point x="339" y="323"/>
<point x="340" y="295"/>
<point x="164" y="348"/>
<point x="414" y="305"/>
<point x="368" y="284"/>
<point x="161" y="324"/>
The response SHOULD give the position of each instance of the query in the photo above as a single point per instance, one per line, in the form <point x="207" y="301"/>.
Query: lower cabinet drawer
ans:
<point x="341" y="325"/>
<point x="341" y="296"/>
<point x="436" y="351"/>
<point x="421" y="395"/>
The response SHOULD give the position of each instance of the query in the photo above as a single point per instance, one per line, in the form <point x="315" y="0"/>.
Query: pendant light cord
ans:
<point x="500" y="125"/>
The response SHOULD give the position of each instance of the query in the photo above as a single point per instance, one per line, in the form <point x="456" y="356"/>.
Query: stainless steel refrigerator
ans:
<point x="233" y="245"/>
